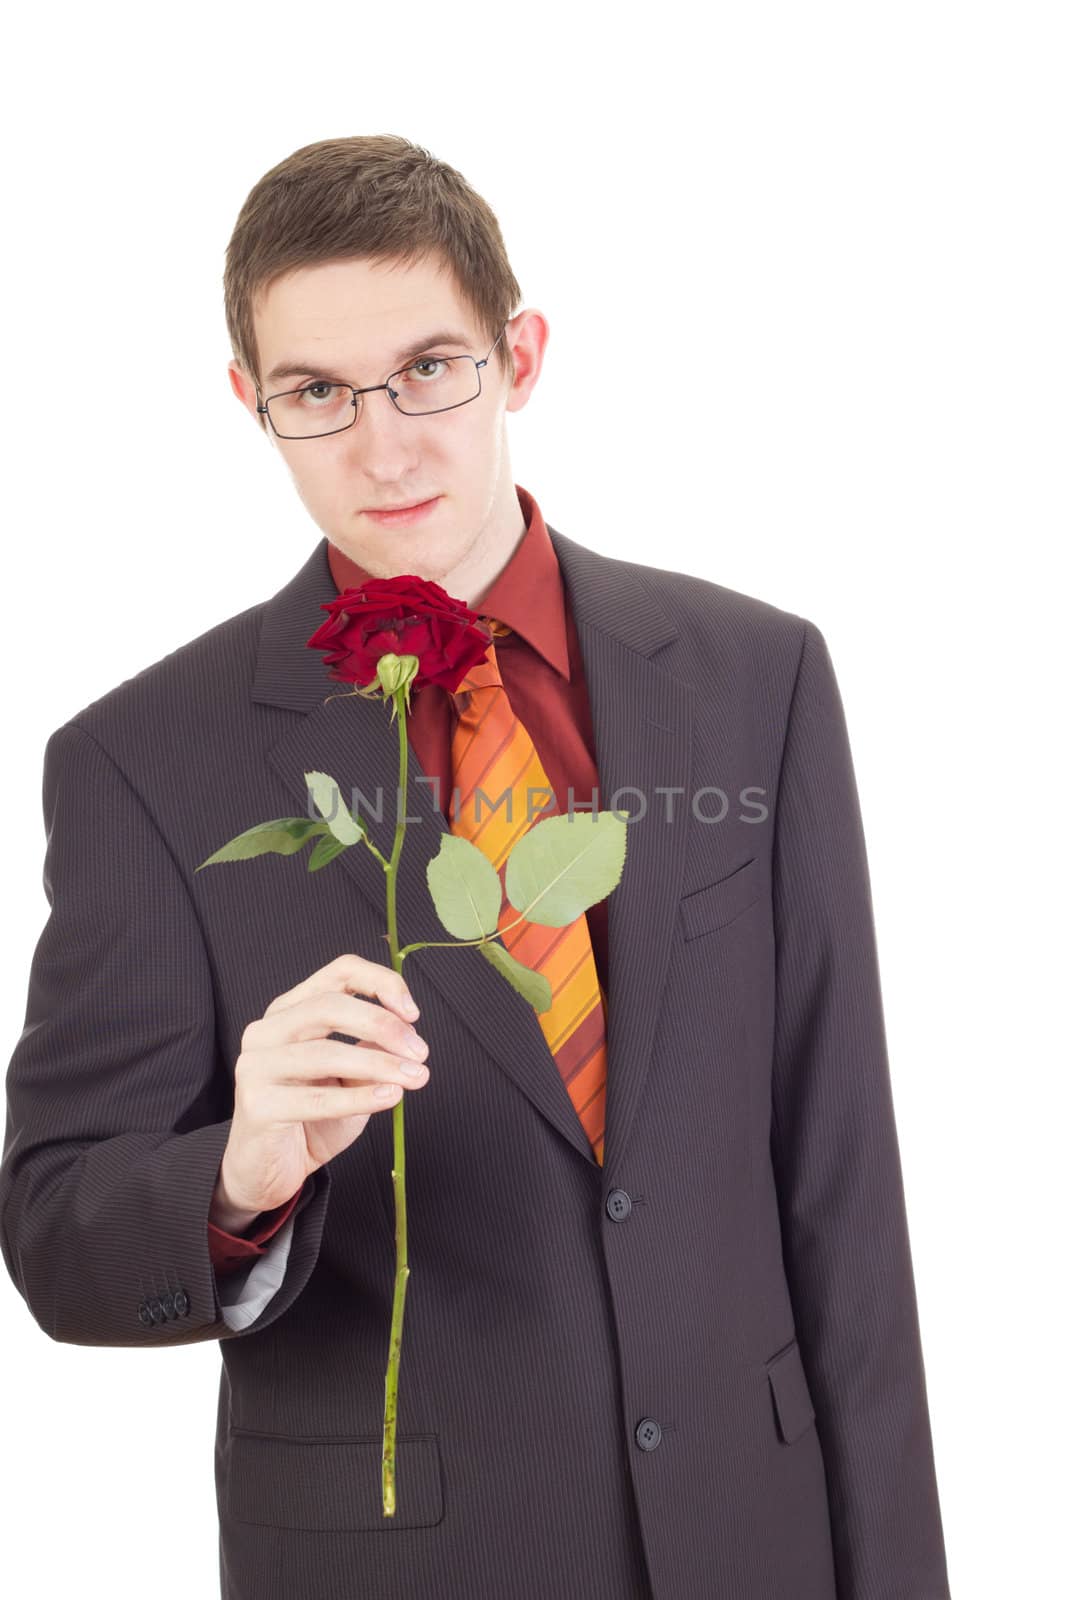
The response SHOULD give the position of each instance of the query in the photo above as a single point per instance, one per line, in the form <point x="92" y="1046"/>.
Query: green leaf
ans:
<point x="326" y="794"/>
<point x="324" y="851"/>
<point x="283" y="836"/>
<point x="465" y="887"/>
<point x="563" y="865"/>
<point x="533" y="986"/>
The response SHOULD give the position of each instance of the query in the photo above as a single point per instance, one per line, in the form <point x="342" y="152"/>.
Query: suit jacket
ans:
<point x="693" y="1373"/>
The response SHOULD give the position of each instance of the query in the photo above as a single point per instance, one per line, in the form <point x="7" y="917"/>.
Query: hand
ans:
<point x="301" y="1098"/>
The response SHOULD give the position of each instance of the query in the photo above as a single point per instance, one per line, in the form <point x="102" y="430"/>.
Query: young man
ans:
<point x="660" y="1335"/>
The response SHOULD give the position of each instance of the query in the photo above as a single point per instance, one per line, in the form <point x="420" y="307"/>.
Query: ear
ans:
<point x="243" y="386"/>
<point x="527" y="334"/>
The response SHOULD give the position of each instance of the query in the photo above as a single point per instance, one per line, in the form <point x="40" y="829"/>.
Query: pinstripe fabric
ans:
<point x="692" y="1373"/>
<point x="500" y="783"/>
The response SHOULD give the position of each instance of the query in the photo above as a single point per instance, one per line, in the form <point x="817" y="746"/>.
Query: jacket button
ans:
<point x="181" y="1302"/>
<point x="648" y="1433"/>
<point x="156" y="1310"/>
<point x="143" y="1314"/>
<point x="167" y="1302"/>
<point x="619" y="1205"/>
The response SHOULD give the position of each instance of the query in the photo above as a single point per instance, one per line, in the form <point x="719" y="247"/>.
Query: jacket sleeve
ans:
<point x="118" y="1104"/>
<point x="837" y="1167"/>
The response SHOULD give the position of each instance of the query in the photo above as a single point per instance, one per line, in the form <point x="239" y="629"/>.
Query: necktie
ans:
<point x="492" y="752"/>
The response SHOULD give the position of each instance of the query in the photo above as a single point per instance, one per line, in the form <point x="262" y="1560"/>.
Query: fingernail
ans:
<point x="409" y="1008"/>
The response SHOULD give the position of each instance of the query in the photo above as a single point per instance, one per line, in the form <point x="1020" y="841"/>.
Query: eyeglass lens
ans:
<point x="433" y="384"/>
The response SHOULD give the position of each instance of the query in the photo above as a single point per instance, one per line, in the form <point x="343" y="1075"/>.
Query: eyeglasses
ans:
<point x="324" y="407"/>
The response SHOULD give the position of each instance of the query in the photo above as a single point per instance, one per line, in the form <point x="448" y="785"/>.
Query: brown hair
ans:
<point x="375" y="197"/>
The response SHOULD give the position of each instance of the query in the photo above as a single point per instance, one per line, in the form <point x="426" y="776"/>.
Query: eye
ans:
<point x="428" y="361"/>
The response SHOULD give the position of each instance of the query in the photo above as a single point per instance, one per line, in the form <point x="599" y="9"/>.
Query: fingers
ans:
<point x="290" y="1103"/>
<point x="351" y="973"/>
<point x="291" y="1071"/>
<point x="285" y="1084"/>
<point x="332" y="1012"/>
<point x="332" y="1058"/>
<point x="322" y="1004"/>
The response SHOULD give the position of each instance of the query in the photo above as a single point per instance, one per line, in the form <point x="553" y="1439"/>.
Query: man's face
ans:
<point x="351" y="320"/>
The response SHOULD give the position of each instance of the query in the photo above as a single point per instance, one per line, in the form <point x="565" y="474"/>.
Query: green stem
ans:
<point x="399" y="1188"/>
<point x="373" y="848"/>
<point x="403" y="1272"/>
<point x="458" y="944"/>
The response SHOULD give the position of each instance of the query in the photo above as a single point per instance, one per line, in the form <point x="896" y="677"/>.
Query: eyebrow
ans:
<point x="294" y="369"/>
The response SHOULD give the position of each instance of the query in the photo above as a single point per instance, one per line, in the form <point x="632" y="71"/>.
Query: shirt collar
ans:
<point x="527" y="595"/>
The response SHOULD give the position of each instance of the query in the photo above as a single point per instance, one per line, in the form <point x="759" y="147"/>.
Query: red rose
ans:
<point x="408" y="616"/>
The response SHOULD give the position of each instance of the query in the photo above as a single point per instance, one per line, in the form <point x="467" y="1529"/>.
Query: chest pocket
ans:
<point x="718" y="903"/>
<point x="793" y="1410"/>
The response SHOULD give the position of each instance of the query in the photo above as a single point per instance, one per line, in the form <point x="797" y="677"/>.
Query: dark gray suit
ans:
<point x="695" y="1374"/>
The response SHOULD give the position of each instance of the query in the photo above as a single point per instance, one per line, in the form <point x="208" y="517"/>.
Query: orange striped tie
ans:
<point x="492" y="752"/>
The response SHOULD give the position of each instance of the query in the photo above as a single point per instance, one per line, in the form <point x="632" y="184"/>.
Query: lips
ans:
<point x="411" y="505"/>
<point x="403" y="516"/>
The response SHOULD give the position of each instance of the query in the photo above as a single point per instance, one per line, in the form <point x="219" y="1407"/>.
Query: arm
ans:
<point x="118" y="1109"/>
<point x="837" y="1168"/>
<point x="237" y="1247"/>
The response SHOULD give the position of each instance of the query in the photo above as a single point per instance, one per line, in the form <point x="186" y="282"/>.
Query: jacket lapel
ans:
<point x="642" y="722"/>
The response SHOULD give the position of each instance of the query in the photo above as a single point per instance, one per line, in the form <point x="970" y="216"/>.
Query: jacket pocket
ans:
<point x="719" y="903"/>
<point x="322" y="1484"/>
<point x="793" y="1409"/>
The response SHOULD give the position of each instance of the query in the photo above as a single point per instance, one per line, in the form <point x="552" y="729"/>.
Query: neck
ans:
<point x="485" y="561"/>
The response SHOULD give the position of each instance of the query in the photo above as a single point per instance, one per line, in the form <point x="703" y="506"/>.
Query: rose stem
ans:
<point x="399" y="1190"/>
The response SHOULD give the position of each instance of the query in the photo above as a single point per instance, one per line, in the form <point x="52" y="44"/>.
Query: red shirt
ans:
<point x="541" y="666"/>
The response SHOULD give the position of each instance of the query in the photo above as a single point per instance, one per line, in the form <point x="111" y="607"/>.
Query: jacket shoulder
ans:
<point x="733" y="620"/>
<point x="210" y="672"/>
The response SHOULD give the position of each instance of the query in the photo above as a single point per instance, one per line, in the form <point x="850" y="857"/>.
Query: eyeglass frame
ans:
<point x="370" y="389"/>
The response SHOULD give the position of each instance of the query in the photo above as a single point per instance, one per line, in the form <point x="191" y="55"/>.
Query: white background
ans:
<point x="818" y="251"/>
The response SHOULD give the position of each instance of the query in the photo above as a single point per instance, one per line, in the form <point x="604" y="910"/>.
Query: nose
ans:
<point x="374" y="403"/>
<point x="382" y="435"/>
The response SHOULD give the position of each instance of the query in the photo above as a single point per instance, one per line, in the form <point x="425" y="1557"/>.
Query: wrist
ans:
<point x="227" y="1216"/>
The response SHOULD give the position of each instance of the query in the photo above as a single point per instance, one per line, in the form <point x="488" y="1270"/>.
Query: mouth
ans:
<point x="403" y="515"/>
